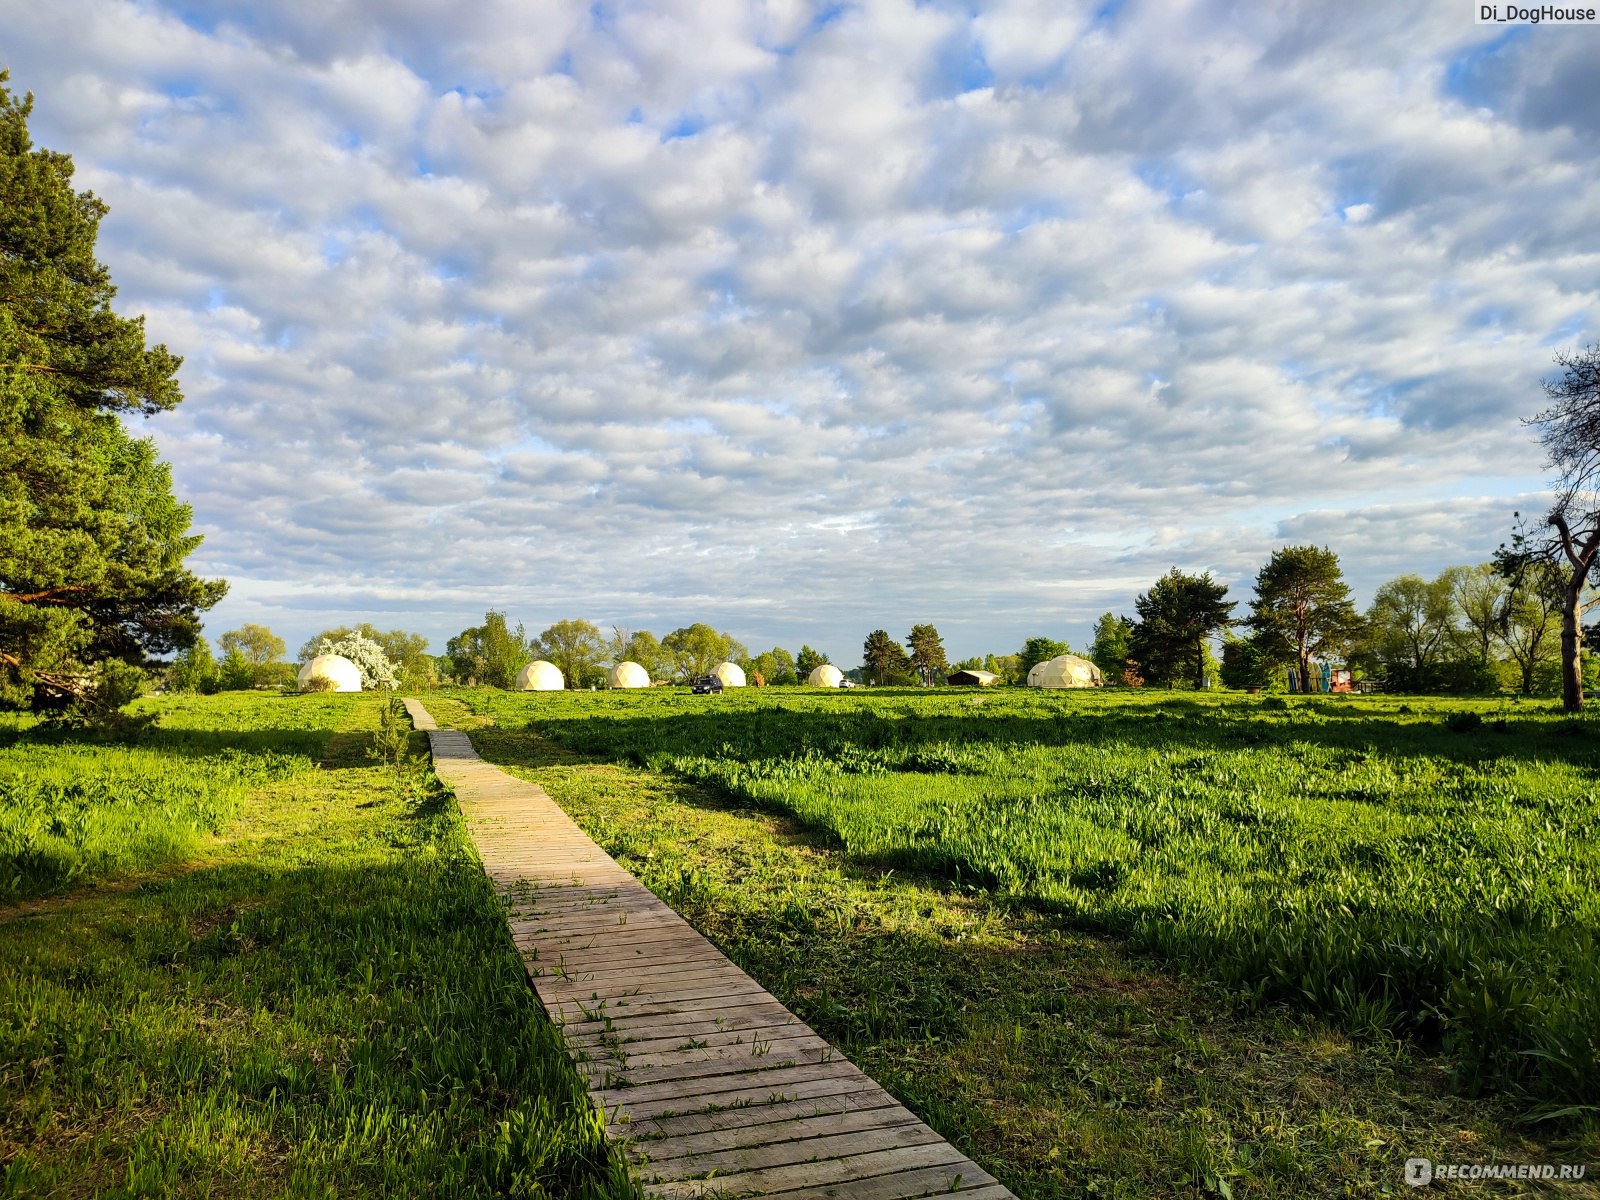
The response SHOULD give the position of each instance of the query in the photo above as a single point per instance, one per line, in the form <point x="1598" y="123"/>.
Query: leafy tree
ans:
<point x="257" y="645"/>
<point x="1035" y="651"/>
<point x="195" y="670"/>
<point x="807" y="661"/>
<point x="1569" y="430"/>
<point x="493" y="653"/>
<point x="1302" y="609"/>
<point x="1177" y="616"/>
<point x="92" y="540"/>
<point x="1112" y="648"/>
<point x="574" y="646"/>
<point x="1530" y="616"/>
<point x="644" y="649"/>
<point x="775" y="666"/>
<point x="1243" y="663"/>
<point x="367" y="655"/>
<point x="1478" y="594"/>
<point x="927" y="653"/>
<point x="237" y="672"/>
<point x="1409" y="627"/>
<point x="1003" y="665"/>
<point x="695" y="649"/>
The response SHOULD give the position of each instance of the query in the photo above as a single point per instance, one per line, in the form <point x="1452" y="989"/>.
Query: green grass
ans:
<point x="1067" y="1061"/>
<point x="261" y="971"/>
<point x="1393" y="866"/>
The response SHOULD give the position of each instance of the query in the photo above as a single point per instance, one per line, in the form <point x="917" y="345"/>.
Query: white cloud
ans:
<point x="807" y="321"/>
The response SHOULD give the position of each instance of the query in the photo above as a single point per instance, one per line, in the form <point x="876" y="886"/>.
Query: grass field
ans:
<point x="235" y="961"/>
<point x="1384" y="867"/>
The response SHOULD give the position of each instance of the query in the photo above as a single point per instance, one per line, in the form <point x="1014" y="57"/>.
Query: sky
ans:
<point x="803" y="319"/>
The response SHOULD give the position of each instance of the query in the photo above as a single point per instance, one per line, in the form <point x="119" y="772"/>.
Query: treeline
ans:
<point x="492" y="653"/>
<point x="1473" y="629"/>
<point x="252" y="656"/>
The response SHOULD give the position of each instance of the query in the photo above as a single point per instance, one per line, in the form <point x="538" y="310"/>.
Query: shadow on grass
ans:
<point x="1169" y="727"/>
<point x="1058" y="1060"/>
<point x="369" y="1030"/>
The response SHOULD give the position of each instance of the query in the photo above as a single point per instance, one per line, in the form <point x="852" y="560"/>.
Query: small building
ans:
<point x="1065" y="671"/>
<point x="972" y="678"/>
<point x="329" y="673"/>
<point x="627" y="675"/>
<point x="827" y="675"/>
<point x="730" y="674"/>
<point x="540" y="676"/>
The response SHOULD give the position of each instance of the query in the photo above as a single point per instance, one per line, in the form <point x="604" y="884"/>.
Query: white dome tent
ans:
<point x="730" y="674"/>
<point x="627" y="675"/>
<point x="540" y="676"/>
<point x="827" y="675"/>
<point x="329" y="673"/>
<point x="1065" y="671"/>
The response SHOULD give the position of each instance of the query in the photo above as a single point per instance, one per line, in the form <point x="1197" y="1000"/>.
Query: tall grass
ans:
<point x="1404" y="871"/>
<point x="325" y="1001"/>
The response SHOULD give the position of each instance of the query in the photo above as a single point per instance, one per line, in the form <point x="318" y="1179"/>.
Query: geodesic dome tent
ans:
<point x="827" y="675"/>
<point x="540" y="676"/>
<point x="329" y="673"/>
<point x="1065" y="671"/>
<point x="731" y="674"/>
<point x="627" y="675"/>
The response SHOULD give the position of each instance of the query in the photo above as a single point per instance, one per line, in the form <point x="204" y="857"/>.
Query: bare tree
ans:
<point x="1569" y="431"/>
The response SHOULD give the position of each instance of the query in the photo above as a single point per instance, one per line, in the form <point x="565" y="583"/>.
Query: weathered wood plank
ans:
<point x="940" y="1161"/>
<point x="729" y="1161"/>
<point x="807" y="1131"/>
<point x="711" y="1085"/>
<point x="653" y="1132"/>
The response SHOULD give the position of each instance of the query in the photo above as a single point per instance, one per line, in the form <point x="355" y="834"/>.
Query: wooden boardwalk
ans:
<point x="713" y="1087"/>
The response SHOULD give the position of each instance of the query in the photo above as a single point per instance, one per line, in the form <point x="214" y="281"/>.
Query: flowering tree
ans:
<point x="376" y="669"/>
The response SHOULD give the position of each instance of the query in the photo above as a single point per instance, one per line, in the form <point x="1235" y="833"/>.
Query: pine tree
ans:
<point x="1302" y="608"/>
<point x="881" y="655"/>
<point x="92" y="540"/>
<point x="927" y="653"/>
<point x="1176" y="616"/>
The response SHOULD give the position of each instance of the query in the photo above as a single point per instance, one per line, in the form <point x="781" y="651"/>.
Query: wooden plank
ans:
<point x="729" y="1161"/>
<point x="940" y="1160"/>
<point x="713" y="1087"/>
<point x="739" y="1096"/>
<point x="749" y="1117"/>
<point x="805" y="1129"/>
<point x="694" y="1071"/>
<point x="908" y="1185"/>
<point x="774" y="1081"/>
<point x="704" y="1034"/>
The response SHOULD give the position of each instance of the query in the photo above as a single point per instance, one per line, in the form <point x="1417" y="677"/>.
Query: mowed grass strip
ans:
<point x="1426" y="869"/>
<point x="320" y="1000"/>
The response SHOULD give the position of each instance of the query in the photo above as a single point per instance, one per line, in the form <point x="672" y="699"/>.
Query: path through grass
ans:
<point x="1060" y="1061"/>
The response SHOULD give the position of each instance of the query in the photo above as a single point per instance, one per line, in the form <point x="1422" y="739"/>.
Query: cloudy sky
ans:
<point x="804" y="319"/>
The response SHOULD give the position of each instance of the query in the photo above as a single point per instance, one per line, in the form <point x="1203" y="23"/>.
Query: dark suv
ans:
<point x="707" y="685"/>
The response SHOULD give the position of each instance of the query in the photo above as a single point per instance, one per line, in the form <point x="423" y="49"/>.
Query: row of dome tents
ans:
<point x="730" y="675"/>
<point x="335" y="673"/>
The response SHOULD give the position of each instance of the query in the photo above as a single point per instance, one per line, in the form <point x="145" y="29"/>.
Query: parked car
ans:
<point x="706" y="685"/>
